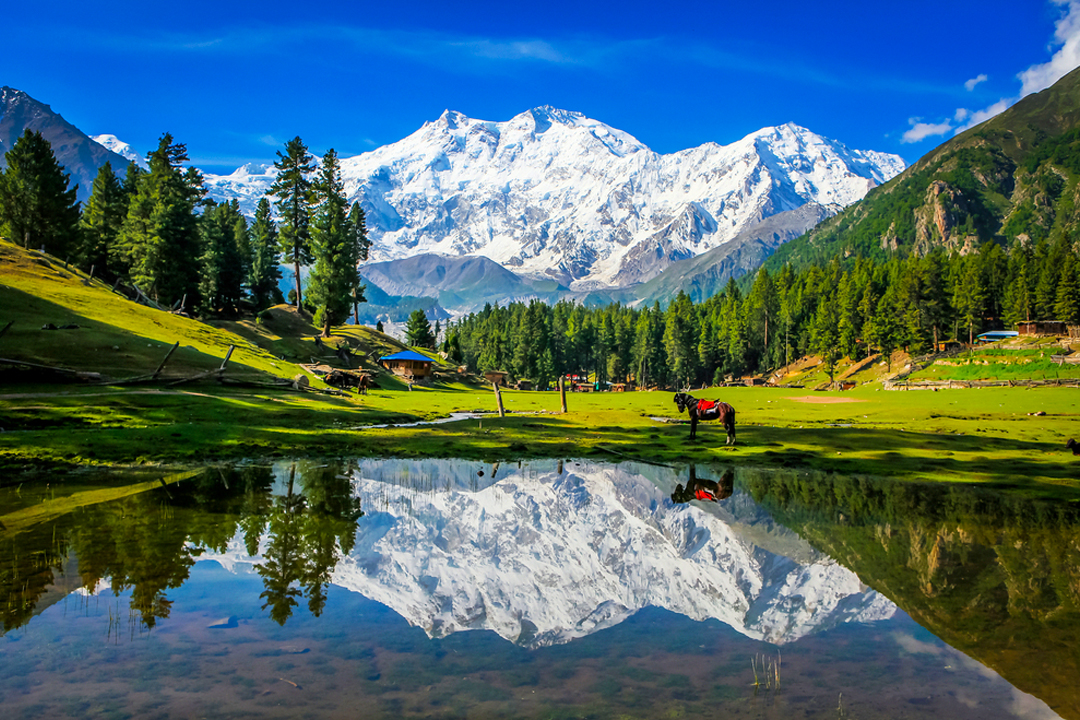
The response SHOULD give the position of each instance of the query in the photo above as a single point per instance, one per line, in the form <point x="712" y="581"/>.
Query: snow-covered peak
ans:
<point x="121" y="148"/>
<point x="552" y="193"/>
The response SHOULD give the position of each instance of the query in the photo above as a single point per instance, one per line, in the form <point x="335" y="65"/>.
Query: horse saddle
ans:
<point x="708" y="409"/>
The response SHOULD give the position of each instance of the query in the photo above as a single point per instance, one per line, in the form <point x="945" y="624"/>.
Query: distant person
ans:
<point x="708" y="490"/>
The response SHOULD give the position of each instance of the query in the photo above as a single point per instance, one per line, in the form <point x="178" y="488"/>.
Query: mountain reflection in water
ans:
<point x="547" y="555"/>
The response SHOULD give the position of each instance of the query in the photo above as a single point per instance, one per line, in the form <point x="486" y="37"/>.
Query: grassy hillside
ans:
<point x="119" y="338"/>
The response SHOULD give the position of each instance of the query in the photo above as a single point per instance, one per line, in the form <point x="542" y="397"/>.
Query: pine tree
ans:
<point x="223" y="274"/>
<point x="101" y="221"/>
<point x="333" y="279"/>
<point x="265" y="273"/>
<point x="36" y="207"/>
<point x="1067" y="302"/>
<point x="359" y="245"/>
<point x="294" y="193"/>
<point x="824" y="335"/>
<point x="969" y="296"/>
<point x="681" y="339"/>
<point x="160" y="239"/>
<point x="418" y="330"/>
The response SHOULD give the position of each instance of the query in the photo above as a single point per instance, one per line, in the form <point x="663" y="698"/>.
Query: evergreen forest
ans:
<point x="156" y="231"/>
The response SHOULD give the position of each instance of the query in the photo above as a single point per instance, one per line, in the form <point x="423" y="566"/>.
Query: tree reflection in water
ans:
<point x="147" y="543"/>
<point x="309" y="533"/>
<point x="995" y="575"/>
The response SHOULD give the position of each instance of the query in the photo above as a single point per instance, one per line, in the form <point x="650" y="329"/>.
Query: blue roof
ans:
<point x="408" y="355"/>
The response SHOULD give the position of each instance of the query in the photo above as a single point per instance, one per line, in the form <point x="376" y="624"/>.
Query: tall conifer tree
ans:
<point x="265" y="273"/>
<point x="36" y="206"/>
<point x="360" y="246"/>
<point x="295" y="195"/>
<point x="223" y="274"/>
<point x="333" y="277"/>
<point x="160" y="237"/>
<point x="101" y="221"/>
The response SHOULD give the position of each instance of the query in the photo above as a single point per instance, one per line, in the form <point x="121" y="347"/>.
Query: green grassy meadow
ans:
<point x="988" y="435"/>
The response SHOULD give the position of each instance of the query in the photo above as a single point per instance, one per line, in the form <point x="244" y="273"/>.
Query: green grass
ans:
<point x="999" y="364"/>
<point x="977" y="436"/>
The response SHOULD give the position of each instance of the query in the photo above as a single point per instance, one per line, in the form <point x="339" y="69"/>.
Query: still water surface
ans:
<point x="545" y="589"/>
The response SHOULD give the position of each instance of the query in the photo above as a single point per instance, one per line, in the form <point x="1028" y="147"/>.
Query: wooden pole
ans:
<point x="562" y="391"/>
<point x="226" y="360"/>
<point x="7" y="327"/>
<point x="498" y="399"/>
<point x="165" y="360"/>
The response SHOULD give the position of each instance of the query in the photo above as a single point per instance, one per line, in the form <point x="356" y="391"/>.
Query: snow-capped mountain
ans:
<point x="552" y="193"/>
<point x="121" y="148"/>
<point x="545" y="554"/>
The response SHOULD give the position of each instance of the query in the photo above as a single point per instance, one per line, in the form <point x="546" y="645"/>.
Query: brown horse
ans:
<point x="707" y="410"/>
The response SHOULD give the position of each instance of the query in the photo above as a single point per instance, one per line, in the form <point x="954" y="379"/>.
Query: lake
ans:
<point x="542" y="589"/>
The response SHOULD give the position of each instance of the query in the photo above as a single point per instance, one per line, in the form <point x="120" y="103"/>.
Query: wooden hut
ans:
<point x="410" y="365"/>
<point x="496" y="377"/>
<point x="1042" y="327"/>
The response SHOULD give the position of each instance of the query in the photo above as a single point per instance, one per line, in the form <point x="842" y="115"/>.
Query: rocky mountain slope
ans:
<point x="80" y="156"/>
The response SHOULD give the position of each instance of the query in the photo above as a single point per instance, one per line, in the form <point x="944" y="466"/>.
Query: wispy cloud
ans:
<point x="472" y="54"/>
<point x="980" y="78"/>
<point x="979" y="116"/>
<point x="1065" y="58"/>
<point x="921" y="131"/>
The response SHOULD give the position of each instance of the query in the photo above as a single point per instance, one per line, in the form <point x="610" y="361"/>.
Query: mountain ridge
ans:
<point x="81" y="156"/>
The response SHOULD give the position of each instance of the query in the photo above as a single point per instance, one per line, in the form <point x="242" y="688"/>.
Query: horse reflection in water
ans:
<point x="702" y="489"/>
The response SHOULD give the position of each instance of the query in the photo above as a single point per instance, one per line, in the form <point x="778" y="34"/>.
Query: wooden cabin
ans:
<point x="1042" y="327"/>
<point x="496" y="377"/>
<point x="410" y="365"/>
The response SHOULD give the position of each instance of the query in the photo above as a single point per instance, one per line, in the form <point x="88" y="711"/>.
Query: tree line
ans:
<point x="849" y="307"/>
<point x="158" y="230"/>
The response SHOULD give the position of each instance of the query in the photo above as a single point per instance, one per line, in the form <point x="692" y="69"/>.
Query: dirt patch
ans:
<point x="824" y="399"/>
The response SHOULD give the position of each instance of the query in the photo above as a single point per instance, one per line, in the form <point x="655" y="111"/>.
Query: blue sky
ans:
<point x="234" y="80"/>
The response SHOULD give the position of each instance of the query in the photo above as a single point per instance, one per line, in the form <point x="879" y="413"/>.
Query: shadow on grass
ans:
<point x="99" y="346"/>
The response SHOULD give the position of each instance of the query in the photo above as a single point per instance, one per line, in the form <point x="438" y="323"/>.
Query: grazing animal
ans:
<point x="1074" y="446"/>
<point x="345" y="379"/>
<point x="707" y="410"/>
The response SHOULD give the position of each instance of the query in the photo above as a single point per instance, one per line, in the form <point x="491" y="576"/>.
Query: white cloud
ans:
<point x="970" y="84"/>
<point x="921" y="131"/>
<point x="961" y="114"/>
<point x="986" y="113"/>
<point x="1067" y="57"/>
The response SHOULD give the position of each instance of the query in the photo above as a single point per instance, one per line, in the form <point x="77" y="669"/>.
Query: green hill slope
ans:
<point x="1014" y="176"/>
